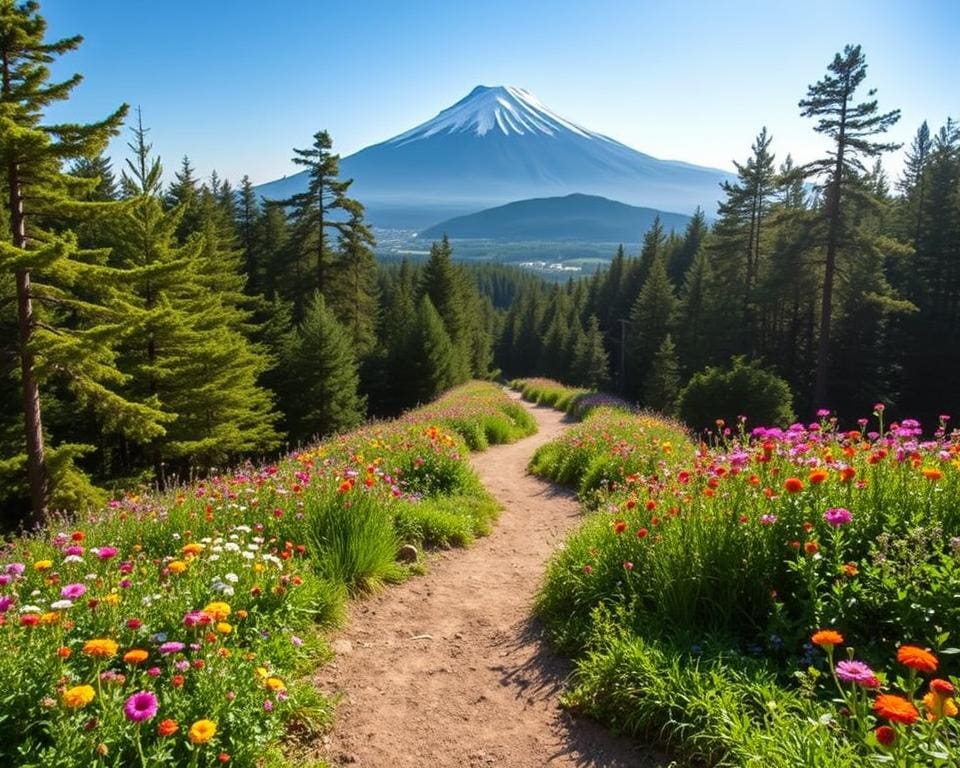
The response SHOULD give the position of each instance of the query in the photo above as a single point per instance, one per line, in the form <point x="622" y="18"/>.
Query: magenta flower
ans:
<point x="5" y="602"/>
<point x="171" y="647"/>
<point x="141" y="706"/>
<point x="73" y="591"/>
<point x="768" y="519"/>
<point x="105" y="553"/>
<point x="856" y="672"/>
<point x="837" y="516"/>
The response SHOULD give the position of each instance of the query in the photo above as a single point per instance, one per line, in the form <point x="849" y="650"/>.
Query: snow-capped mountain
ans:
<point x="500" y="144"/>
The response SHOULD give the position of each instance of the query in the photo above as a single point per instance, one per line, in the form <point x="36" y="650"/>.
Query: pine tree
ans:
<point x="849" y="126"/>
<point x="446" y="286"/>
<point x="247" y="212"/>
<point x="590" y="357"/>
<point x="662" y="385"/>
<point x="66" y="299"/>
<point x="682" y="258"/>
<point x="353" y="293"/>
<point x="651" y="319"/>
<point x="184" y="192"/>
<point x="312" y="215"/>
<point x="322" y="376"/>
<point x="699" y="315"/>
<point x="430" y="354"/>
<point x="913" y="185"/>
<point x="98" y="168"/>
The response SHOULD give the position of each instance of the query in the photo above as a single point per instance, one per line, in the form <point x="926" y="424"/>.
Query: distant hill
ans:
<point x="574" y="217"/>
<point x="500" y="144"/>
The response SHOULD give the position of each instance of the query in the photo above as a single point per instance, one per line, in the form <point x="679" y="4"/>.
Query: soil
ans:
<point x="449" y="669"/>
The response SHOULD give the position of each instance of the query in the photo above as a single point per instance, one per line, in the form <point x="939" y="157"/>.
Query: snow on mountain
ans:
<point x="500" y="144"/>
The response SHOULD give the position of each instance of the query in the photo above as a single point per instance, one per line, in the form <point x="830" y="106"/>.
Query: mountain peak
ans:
<point x="504" y="109"/>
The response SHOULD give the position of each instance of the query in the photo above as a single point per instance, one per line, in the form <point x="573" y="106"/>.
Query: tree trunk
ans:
<point x="32" y="421"/>
<point x="830" y="267"/>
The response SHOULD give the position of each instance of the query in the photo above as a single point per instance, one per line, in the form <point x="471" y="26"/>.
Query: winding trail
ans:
<point x="449" y="670"/>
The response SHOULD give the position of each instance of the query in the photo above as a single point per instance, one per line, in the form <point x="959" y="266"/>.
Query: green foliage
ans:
<point x="662" y="385"/>
<point x="727" y="393"/>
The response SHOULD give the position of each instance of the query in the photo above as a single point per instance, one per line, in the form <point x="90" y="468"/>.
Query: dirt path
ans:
<point x="448" y="670"/>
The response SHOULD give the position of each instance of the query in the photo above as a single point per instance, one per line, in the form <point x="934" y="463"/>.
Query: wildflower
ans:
<point x="62" y="605"/>
<point x="177" y="681"/>
<point x="627" y="565"/>
<point x="931" y="473"/>
<point x="140" y="706"/>
<point x="73" y="591"/>
<point x="77" y="536"/>
<point x="192" y="549"/>
<point x="105" y="553"/>
<point x="101" y="648"/>
<point x="837" y="516"/>
<point x="768" y="519"/>
<point x="202" y="731"/>
<point x="793" y="485"/>
<point x="942" y="687"/>
<point x="619" y="526"/>
<point x="817" y="476"/>
<point x="63" y="652"/>
<point x="267" y="705"/>
<point x="224" y="628"/>
<point x="78" y="696"/>
<point x="274" y="684"/>
<point x="43" y="565"/>
<point x="218" y="611"/>
<point x="850" y="569"/>
<point x="917" y="658"/>
<point x="896" y="709"/>
<point x="135" y="656"/>
<point x="811" y="547"/>
<point x="642" y="533"/>
<point x="176" y="566"/>
<point x="223" y="757"/>
<point x="588" y="569"/>
<point x="171" y="647"/>
<point x="827" y="638"/>
<point x="885" y="735"/>
<point x="851" y="671"/>
<point x="167" y="727"/>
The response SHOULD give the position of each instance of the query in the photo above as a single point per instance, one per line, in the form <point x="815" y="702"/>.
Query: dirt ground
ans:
<point x="449" y="669"/>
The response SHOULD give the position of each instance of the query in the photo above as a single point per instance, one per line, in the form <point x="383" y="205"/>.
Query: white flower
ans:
<point x="213" y="558"/>
<point x="91" y="577"/>
<point x="249" y="555"/>
<point x="61" y="605"/>
<point x="30" y="609"/>
<point x="72" y="559"/>
<point x="253" y="547"/>
<point x="232" y="578"/>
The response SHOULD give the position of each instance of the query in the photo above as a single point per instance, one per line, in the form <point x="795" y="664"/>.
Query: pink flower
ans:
<point x="73" y="591"/>
<point x="856" y="672"/>
<point x="141" y="706"/>
<point x="768" y="519"/>
<point x="105" y="553"/>
<point x="837" y="516"/>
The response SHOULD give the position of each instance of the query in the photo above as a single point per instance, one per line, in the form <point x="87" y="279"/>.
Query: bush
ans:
<point x="727" y="393"/>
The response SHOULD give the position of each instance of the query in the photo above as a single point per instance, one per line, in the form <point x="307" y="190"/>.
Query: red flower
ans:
<point x="811" y="547"/>
<point x="177" y="681"/>
<point x="885" y="735"/>
<point x="619" y="526"/>
<point x="793" y="485"/>
<point x="942" y="687"/>
<point x="642" y="533"/>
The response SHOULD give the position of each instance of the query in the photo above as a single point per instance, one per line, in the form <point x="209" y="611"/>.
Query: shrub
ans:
<point x="727" y="393"/>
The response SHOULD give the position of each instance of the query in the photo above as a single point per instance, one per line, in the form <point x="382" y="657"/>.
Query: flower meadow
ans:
<point x="776" y="596"/>
<point x="177" y="628"/>
<point x="578" y="402"/>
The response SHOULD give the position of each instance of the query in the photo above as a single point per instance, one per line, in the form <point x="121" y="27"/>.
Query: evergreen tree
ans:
<point x="430" y="354"/>
<point x="322" y="376"/>
<point x="184" y="192"/>
<point x="913" y="185"/>
<point x="680" y="261"/>
<point x="312" y="215"/>
<point x="849" y="126"/>
<point x="247" y="211"/>
<point x="662" y="385"/>
<point x="98" y="168"/>
<point x="651" y="319"/>
<point x="66" y="301"/>
<point x="699" y="315"/>
<point x="590" y="357"/>
<point x="446" y="287"/>
<point x="354" y="291"/>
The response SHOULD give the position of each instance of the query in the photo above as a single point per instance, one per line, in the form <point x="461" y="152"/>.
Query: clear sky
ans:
<point x="235" y="84"/>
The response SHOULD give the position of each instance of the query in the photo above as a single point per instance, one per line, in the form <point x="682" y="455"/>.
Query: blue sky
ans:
<point x="236" y="84"/>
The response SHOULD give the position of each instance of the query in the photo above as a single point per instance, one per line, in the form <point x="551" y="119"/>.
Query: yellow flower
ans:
<point x="78" y="696"/>
<point x="224" y="628"/>
<point x="43" y="565"/>
<point x="202" y="731"/>
<point x="177" y="566"/>
<point x="103" y="648"/>
<point x="192" y="549"/>
<point x="258" y="567"/>
<point x="274" y="684"/>
<point x="938" y="706"/>
<point x="217" y="611"/>
<point x="51" y="617"/>
<point x="135" y="656"/>
<point x="112" y="599"/>
<point x="261" y="672"/>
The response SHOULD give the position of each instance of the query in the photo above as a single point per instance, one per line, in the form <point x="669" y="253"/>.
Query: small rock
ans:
<point x="408" y="554"/>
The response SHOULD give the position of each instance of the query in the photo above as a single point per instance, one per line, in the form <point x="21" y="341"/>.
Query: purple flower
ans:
<point x="5" y="602"/>
<point x="856" y="672"/>
<point x="768" y="519"/>
<point x="16" y="569"/>
<point x="268" y="706"/>
<point x="171" y="647"/>
<point x="73" y="591"/>
<point x="822" y="413"/>
<point x="296" y="640"/>
<point x="73" y="549"/>
<point x="182" y="666"/>
<point x="141" y="706"/>
<point x="154" y="671"/>
<point x="837" y="516"/>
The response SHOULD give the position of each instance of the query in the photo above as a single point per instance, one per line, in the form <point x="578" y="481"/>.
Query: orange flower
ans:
<point x="817" y="476"/>
<point x="938" y="706"/>
<point x="793" y="485"/>
<point x="917" y="658"/>
<point x="78" y="696"/>
<point x="811" y="547"/>
<point x="619" y="526"/>
<point x="63" y="652"/>
<point x="218" y="611"/>
<point x="827" y="637"/>
<point x="932" y="473"/>
<point x="177" y="566"/>
<point x="192" y="549"/>
<point x="102" y="648"/>
<point x="275" y="684"/>
<point x="167" y="727"/>
<point x="896" y="709"/>
<point x="135" y="656"/>
<point x="850" y="569"/>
